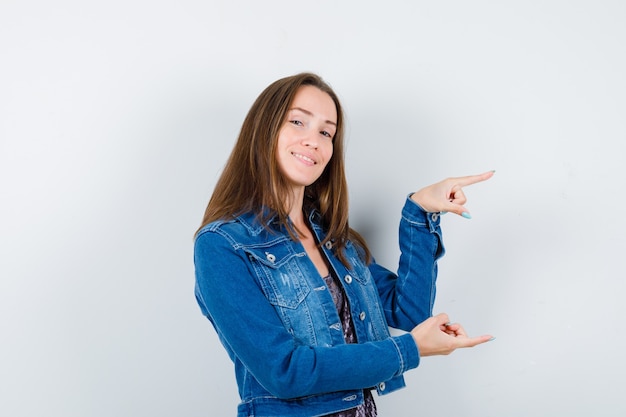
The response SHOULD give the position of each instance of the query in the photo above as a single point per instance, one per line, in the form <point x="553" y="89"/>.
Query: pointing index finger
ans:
<point x="473" y="179"/>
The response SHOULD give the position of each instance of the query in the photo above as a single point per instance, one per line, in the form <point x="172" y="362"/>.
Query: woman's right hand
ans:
<point x="437" y="336"/>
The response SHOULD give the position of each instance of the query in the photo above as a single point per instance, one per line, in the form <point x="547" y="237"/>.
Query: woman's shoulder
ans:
<point x="214" y="226"/>
<point x="237" y="229"/>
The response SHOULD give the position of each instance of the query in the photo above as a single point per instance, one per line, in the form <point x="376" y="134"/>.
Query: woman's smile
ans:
<point x="307" y="160"/>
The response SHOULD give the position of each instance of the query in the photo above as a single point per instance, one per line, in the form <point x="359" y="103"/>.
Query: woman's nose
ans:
<point x="310" y="140"/>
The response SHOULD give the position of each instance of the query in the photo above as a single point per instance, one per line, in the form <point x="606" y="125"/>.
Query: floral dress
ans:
<point x="368" y="408"/>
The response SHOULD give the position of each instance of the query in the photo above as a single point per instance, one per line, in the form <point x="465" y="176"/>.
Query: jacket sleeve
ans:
<point x="252" y="332"/>
<point x="408" y="297"/>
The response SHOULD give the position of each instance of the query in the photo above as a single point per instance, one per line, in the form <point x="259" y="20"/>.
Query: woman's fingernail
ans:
<point x="491" y="340"/>
<point x="466" y="215"/>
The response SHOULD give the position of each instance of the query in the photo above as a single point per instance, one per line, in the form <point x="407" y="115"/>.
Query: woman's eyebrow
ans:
<point x="308" y="113"/>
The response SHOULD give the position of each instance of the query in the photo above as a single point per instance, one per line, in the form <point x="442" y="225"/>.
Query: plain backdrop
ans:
<point x="117" y="117"/>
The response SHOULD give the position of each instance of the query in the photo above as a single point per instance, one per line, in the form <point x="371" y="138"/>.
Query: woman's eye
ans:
<point x="296" y="122"/>
<point x="325" y="133"/>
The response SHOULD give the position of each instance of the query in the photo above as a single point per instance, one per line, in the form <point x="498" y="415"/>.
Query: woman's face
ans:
<point x="305" y="141"/>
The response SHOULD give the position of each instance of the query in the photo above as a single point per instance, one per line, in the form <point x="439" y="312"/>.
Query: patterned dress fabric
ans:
<point x="368" y="408"/>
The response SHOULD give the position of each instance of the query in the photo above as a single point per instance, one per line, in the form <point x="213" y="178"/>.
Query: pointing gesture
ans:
<point x="437" y="336"/>
<point x="448" y="195"/>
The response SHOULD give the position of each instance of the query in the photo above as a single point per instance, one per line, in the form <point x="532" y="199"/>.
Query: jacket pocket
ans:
<point x="276" y="267"/>
<point x="358" y="269"/>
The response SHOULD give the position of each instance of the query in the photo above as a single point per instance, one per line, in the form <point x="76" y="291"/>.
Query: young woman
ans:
<point x="296" y="299"/>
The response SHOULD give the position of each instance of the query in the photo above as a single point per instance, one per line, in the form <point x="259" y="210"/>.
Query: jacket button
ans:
<point x="348" y="279"/>
<point x="362" y="315"/>
<point x="328" y="245"/>
<point x="381" y="386"/>
<point x="434" y="216"/>
<point x="270" y="257"/>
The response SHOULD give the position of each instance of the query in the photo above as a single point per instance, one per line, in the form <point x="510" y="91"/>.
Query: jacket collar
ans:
<point x="252" y="221"/>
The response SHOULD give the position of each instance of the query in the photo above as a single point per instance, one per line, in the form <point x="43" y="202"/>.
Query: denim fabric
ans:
<point x="278" y="322"/>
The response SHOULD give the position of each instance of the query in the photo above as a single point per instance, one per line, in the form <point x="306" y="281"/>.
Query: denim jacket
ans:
<point x="279" y="325"/>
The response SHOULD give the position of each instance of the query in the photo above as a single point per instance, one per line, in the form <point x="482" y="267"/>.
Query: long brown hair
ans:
<point x="252" y="181"/>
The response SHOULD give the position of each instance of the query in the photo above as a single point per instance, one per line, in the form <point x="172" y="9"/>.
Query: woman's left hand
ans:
<point x="448" y="195"/>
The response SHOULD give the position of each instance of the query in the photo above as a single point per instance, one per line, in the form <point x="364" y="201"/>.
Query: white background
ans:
<point x="116" y="118"/>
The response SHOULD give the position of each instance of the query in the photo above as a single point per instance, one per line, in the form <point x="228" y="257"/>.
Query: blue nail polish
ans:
<point x="491" y="340"/>
<point x="466" y="215"/>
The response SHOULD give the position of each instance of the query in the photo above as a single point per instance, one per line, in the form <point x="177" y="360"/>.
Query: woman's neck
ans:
<point x="296" y="214"/>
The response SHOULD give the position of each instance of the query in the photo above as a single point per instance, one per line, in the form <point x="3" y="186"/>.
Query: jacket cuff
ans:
<point x="415" y="214"/>
<point x="407" y="351"/>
